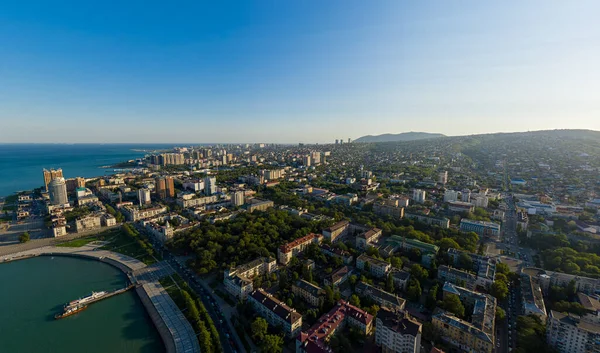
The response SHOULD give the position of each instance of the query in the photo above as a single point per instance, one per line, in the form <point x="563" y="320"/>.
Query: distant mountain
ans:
<point x="405" y="136"/>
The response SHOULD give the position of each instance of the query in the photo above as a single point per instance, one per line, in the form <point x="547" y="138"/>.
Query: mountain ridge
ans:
<point x="403" y="136"/>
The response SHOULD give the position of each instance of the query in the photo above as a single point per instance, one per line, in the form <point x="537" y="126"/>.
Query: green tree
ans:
<point x="432" y="297"/>
<point x="414" y="290"/>
<point x="24" y="238"/>
<point x="258" y="329"/>
<point x="272" y="344"/>
<point x="389" y="283"/>
<point x="447" y="243"/>
<point x="418" y="272"/>
<point x="355" y="300"/>
<point x="396" y="262"/>
<point x="453" y="304"/>
<point x="465" y="261"/>
<point x="502" y="268"/>
<point x="500" y="314"/>
<point x="499" y="290"/>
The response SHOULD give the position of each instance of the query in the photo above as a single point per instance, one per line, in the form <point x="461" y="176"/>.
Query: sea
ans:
<point x="34" y="290"/>
<point x="21" y="165"/>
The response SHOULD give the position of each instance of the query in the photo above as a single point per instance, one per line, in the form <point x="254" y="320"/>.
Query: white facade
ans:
<point x="210" y="185"/>
<point x="419" y="195"/>
<point x="144" y="197"/>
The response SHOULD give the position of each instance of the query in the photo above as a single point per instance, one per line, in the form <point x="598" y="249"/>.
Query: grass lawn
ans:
<point x="121" y="243"/>
<point x="76" y="243"/>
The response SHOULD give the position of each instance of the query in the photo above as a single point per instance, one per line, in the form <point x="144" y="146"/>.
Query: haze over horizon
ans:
<point x="111" y="72"/>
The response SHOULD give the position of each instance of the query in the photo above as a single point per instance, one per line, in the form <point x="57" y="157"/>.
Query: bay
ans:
<point x="32" y="291"/>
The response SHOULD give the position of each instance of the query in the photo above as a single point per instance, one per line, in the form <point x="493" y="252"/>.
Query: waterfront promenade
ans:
<point x="176" y="332"/>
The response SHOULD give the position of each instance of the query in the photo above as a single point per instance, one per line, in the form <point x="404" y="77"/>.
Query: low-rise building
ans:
<point x="190" y="200"/>
<point x="238" y="281"/>
<point x="134" y="213"/>
<point x="368" y="238"/>
<point x="384" y="209"/>
<point x="532" y="298"/>
<point x="336" y="231"/>
<point x="397" y="332"/>
<point x="293" y="248"/>
<point x="396" y="243"/>
<point x="547" y="279"/>
<point x="336" y="278"/>
<point x="346" y="256"/>
<point x="441" y="222"/>
<point x="381" y="297"/>
<point x="258" y="205"/>
<point x="476" y="335"/>
<point x="59" y="226"/>
<point x="460" y="206"/>
<point x="456" y="276"/>
<point x="86" y="223"/>
<point x="309" y="292"/>
<point x="108" y="220"/>
<point x="276" y="312"/>
<point x="316" y="339"/>
<point x="592" y="307"/>
<point x="483" y="229"/>
<point x="483" y="266"/>
<point x="401" y="279"/>
<point x="568" y="333"/>
<point x="376" y="267"/>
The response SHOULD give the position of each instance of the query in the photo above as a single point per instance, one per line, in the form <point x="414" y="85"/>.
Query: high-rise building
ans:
<point x="568" y="333"/>
<point x="443" y="177"/>
<point x="210" y="185"/>
<point x="165" y="187"/>
<point x="451" y="195"/>
<point x="306" y="160"/>
<point x="238" y="198"/>
<point x="74" y="183"/>
<point x="144" y="196"/>
<point x="57" y="188"/>
<point x="397" y="332"/>
<point x="50" y="175"/>
<point x="419" y="195"/>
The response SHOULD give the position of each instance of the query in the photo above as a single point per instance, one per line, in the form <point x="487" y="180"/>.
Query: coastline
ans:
<point x="174" y="329"/>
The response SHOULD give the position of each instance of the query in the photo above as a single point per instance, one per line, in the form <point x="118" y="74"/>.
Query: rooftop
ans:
<point x="337" y="226"/>
<point x="276" y="306"/>
<point x="309" y="287"/>
<point x="575" y="320"/>
<point x="400" y="323"/>
<point x="369" y="290"/>
<point x="289" y="246"/>
<point x="372" y="260"/>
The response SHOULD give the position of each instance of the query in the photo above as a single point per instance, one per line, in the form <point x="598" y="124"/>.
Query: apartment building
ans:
<point x="376" y="267"/>
<point x="399" y="243"/>
<point x="276" y="312"/>
<point x="133" y="213"/>
<point x="368" y="238"/>
<point x="397" y="332"/>
<point x="401" y="279"/>
<point x="316" y="339"/>
<point x="346" y="256"/>
<point x="441" y="222"/>
<point x="483" y="229"/>
<point x="336" y="231"/>
<point x="238" y="281"/>
<point x="550" y="278"/>
<point x="258" y="205"/>
<point x="294" y="248"/>
<point x="483" y="266"/>
<point x="456" y="276"/>
<point x="90" y="222"/>
<point x="532" y="298"/>
<point x="568" y="333"/>
<point x="381" y="297"/>
<point x="460" y="206"/>
<point x="190" y="200"/>
<point x="475" y="336"/>
<point x="309" y="292"/>
<point x="338" y="277"/>
<point x="383" y="209"/>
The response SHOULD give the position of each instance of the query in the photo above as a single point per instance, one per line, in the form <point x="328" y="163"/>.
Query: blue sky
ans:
<point x="294" y="71"/>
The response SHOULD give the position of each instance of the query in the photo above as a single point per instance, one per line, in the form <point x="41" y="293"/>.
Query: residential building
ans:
<point x="376" y="267"/>
<point x="401" y="279"/>
<point x="368" y="238"/>
<point x="50" y="175"/>
<point x="58" y="191"/>
<point x="451" y="195"/>
<point x="592" y="307"/>
<point x="108" y="220"/>
<point x="419" y="196"/>
<point x="346" y="256"/>
<point x="238" y="280"/>
<point x="547" y="279"/>
<point x="489" y="229"/>
<point x="396" y="243"/>
<point x="276" y="312"/>
<point x="133" y="213"/>
<point x="336" y="231"/>
<point x="483" y="266"/>
<point x="568" y="333"/>
<point x="165" y="187"/>
<point x="309" y="292"/>
<point x="74" y="183"/>
<point x="238" y="198"/>
<point x="59" y="226"/>
<point x="336" y="278"/>
<point x="316" y="339"/>
<point x="90" y="222"/>
<point x="460" y="206"/>
<point x="294" y="248"/>
<point x="480" y="201"/>
<point x="441" y="222"/>
<point x="347" y="199"/>
<point x="522" y="220"/>
<point x="532" y="298"/>
<point x="456" y="276"/>
<point x="476" y="335"/>
<point x="190" y="200"/>
<point x="381" y="297"/>
<point x="210" y="186"/>
<point x="383" y="209"/>
<point x="259" y="205"/>
<point x="144" y="196"/>
<point x="443" y="177"/>
<point x="397" y="332"/>
<point x="161" y="232"/>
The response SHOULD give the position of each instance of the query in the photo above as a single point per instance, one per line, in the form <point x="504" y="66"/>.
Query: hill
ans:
<point x="405" y="136"/>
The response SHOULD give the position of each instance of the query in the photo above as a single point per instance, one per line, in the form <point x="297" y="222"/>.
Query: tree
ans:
<point x="500" y="314"/>
<point x="389" y="283"/>
<point x="571" y="289"/>
<point x="283" y="279"/>
<point x="355" y="300"/>
<point x="272" y="344"/>
<point x="396" y="262"/>
<point x="432" y="297"/>
<point x="258" y="329"/>
<point x="418" y="272"/>
<point x="24" y="238"/>
<point x="465" y="261"/>
<point x="453" y="304"/>
<point x="414" y="254"/>
<point x="499" y="290"/>
<point x="447" y="243"/>
<point x="502" y="268"/>
<point x="414" y="290"/>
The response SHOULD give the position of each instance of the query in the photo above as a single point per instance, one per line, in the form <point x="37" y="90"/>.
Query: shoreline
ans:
<point x="175" y="331"/>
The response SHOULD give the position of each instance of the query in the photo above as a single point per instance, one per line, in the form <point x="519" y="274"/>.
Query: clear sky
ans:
<point x="294" y="71"/>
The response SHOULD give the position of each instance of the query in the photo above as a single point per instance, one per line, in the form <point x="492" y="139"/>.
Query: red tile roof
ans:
<point x="285" y="248"/>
